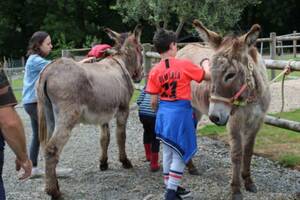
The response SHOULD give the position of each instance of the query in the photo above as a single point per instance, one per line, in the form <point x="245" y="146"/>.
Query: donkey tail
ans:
<point x="42" y="126"/>
<point x="42" y="103"/>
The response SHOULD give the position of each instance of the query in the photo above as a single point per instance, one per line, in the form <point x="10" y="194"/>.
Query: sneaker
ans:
<point x="182" y="192"/>
<point x="63" y="172"/>
<point x="37" y="172"/>
<point x="172" y="195"/>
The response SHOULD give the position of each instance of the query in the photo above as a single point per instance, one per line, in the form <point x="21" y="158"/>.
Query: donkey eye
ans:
<point x="229" y="76"/>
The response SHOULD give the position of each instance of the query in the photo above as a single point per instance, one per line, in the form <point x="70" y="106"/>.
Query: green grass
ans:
<point x="292" y="74"/>
<point x="213" y="130"/>
<point x="289" y="160"/>
<point x="275" y="143"/>
<point x="136" y="93"/>
<point x="18" y="83"/>
<point x="287" y="57"/>
<point x="135" y="96"/>
<point x="292" y="115"/>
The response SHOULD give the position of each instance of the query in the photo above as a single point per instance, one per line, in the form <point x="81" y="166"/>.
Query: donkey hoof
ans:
<point x="237" y="196"/>
<point x="126" y="164"/>
<point x="251" y="188"/>
<point x="53" y="192"/>
<point x="103" y="166"/>
<point x="194" y="171"/>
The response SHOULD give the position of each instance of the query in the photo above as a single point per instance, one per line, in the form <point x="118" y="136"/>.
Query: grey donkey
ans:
<point x="237" y="95"/>
<point x="70" y="93"/>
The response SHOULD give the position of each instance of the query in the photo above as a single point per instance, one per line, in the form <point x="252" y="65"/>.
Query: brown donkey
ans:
<point x="238" y="94"/>
<point x="70" y="93"/>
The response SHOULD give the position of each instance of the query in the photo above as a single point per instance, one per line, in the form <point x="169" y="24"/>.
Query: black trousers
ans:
<point x="149" y="136"/>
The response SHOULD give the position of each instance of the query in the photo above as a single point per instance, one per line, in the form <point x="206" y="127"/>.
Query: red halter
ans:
<point x="232" y="100"/>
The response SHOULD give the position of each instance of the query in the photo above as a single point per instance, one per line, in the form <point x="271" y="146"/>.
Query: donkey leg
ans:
<point x="236" y="158"/>
<point x="121" y="138"/>
<point x="104" y="141"/>
<point x="249" y="140"/>
<point x="51" y="160"/>
<point x="192" y="168"/>
<point x="53" y="149"/>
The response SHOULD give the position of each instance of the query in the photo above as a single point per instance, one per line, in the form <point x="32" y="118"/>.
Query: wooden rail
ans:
<point x="289" y="38"/>
<point x="270" y="64"/>
<point x="282" y="123"/>
<point x="280" y="64"/>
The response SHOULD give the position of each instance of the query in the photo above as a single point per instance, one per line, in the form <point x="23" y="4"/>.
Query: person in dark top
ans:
<point x="11" y="131"/>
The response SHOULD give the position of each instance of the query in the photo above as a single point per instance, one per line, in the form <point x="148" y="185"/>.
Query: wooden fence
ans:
<point x="276" y="45"/>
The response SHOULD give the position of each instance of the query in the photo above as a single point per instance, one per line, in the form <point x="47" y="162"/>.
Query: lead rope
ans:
<point x="128" y="79"/>
<point x="284" y="73"/>
<point x="282" y="93"/>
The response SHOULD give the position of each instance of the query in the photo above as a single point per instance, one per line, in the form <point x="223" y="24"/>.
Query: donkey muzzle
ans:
<point x="219" y="113"/>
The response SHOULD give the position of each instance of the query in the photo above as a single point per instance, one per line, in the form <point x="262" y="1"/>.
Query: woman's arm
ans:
<point x="86" y="60"/>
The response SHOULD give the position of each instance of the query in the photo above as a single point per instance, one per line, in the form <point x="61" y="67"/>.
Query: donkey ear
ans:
<point x="250" y="38"/>
<point x="112" y="34"/>
<point x="208" y="36"/>
<point x="137" y="32"/>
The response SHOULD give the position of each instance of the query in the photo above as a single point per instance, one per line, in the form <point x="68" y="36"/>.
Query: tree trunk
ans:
<point x="165" y="23"/>
<point x="179" y="27"/>
<point x="157" y="26"/>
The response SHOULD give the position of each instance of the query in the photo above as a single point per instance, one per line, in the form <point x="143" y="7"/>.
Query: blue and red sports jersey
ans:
<point x="172" y="82"/>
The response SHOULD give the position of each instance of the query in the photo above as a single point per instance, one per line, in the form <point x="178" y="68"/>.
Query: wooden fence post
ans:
<point x="147" y="60"/>
<point x="23" y="61"/>
<point x="63" y="53"/>
<point x="273" y="51"/>
<point x="7" y="72"/>
<point x="294" y="45"/>
<point x="261" y="48"/>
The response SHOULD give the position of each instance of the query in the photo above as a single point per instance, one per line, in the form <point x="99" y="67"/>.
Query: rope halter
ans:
<point x="234" y="99"/>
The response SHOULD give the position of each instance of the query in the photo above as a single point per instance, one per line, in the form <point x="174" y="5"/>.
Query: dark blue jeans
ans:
<point x="31" y="109"/>
<point x="2" y="191"/>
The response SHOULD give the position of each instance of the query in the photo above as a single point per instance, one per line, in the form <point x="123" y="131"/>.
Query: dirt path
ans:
<point x="291" y="96"/>
<point x="87" y="182"/>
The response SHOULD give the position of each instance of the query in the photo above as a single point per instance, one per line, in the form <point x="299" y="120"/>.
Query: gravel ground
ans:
<point x="87" y="182"/>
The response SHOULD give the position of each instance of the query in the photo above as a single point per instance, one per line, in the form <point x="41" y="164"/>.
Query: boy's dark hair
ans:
<point x="35" y="42"/>
<point x="162" y="40"/>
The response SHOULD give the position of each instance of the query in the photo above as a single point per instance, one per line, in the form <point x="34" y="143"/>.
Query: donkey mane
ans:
<point x="231" y="47"/>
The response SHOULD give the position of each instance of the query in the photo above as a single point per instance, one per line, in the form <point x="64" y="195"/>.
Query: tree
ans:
<point x="17" y="19"/>
<point x="277" y="16"/>
<point x="219" y="15"/>
<point x="71" y="23"/>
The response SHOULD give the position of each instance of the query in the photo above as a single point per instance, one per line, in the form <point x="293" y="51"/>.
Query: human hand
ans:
<point x="287" y="70"/>
<point x="205" y="64"/>
<point x="87" y="60"/>
<point x="26" y="166"/>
